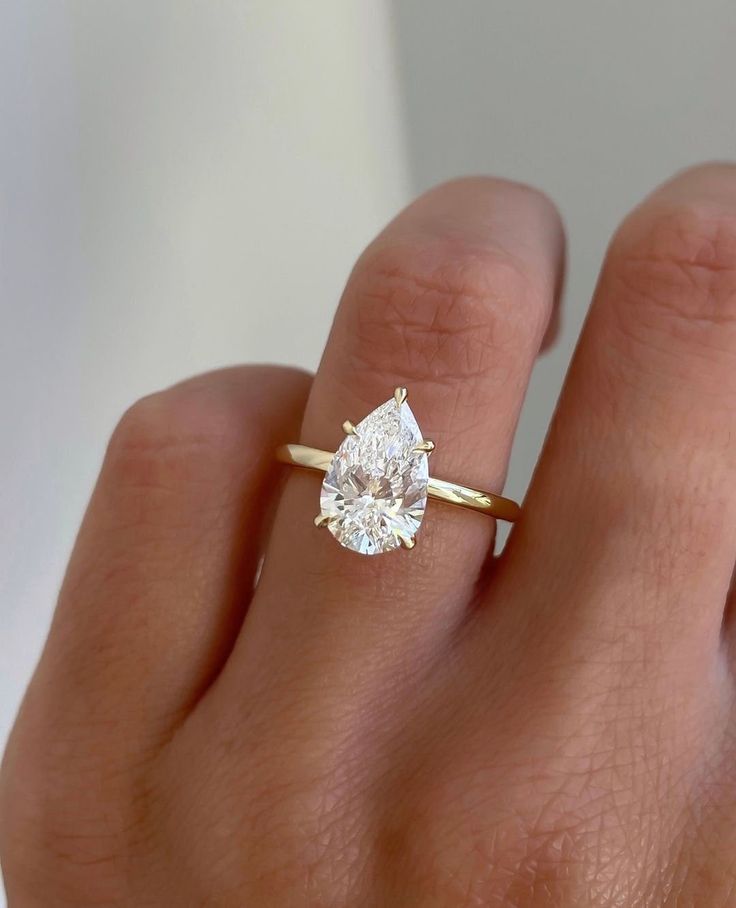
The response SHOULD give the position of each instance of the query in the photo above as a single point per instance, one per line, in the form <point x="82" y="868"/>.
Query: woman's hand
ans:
<point x="426" y="728"/>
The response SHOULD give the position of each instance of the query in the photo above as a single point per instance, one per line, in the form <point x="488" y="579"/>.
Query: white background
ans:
<point x="185" y="185"/>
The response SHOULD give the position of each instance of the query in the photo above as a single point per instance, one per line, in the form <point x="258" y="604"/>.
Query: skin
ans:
<point x="554" y="727"/>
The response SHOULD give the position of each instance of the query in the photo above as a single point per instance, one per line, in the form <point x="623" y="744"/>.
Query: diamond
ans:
<point x="375" y="491"/>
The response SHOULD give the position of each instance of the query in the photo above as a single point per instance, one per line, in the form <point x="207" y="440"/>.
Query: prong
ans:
<point x="400" y="395"/>
<point x="424" y="447"/>
<point x="321" y="520"/>
<point x="408" y="542"/>
<point x="348" y="428"/>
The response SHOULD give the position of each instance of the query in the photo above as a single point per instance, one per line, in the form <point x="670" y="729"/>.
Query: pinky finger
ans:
<point x="166" y="556"/>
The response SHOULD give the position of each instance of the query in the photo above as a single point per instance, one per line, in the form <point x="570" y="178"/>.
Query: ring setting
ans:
<point x="376" y="485"/>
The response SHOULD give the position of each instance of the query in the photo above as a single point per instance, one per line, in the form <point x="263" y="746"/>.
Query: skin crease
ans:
<point x="552" y="727"/>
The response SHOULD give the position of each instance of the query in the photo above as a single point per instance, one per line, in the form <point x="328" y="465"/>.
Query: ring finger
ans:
<point x="451" y="301"/>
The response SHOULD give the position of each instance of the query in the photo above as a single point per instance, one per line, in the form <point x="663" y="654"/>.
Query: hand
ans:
<point x="427" y="728"/>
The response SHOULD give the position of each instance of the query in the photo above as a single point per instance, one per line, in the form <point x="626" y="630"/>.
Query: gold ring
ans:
<point x="376" y="486"/>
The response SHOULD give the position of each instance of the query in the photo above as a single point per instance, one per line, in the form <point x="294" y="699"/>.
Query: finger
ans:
<point x="164" y="563"/>
<point x="632" y="511"/>
<point x="451" y="302"/>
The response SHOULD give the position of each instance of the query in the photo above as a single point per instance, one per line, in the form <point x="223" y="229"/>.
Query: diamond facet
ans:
<point x="375" y="492"/>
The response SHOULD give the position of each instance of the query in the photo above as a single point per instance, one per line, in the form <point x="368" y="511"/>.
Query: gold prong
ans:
<point x="348" y="428"/>
<point x="408" y="542"/>
<point x="400" y="395"/>
<point x="426" y="446"/>
<point x="321" y="520"/>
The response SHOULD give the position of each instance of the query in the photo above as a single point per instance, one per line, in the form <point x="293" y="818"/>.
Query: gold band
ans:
<point x="450" y="492"/>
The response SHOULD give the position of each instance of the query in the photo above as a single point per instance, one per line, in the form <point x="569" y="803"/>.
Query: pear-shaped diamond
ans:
<point x="375" y="492"/>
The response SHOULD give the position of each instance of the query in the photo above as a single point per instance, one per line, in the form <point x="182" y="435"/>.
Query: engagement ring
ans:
<point x="376" y="486"/>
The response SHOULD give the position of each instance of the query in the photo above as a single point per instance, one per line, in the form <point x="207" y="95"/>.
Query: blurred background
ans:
<point x="185" y="184"/>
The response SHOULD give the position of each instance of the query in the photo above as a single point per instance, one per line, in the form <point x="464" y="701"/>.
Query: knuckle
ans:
<point x="543" y="831"/>
<point x="440" y="312"/>
<point x="459" y="857"/>
<point x="168" y="437"/>
<point x="673" y="271"/>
